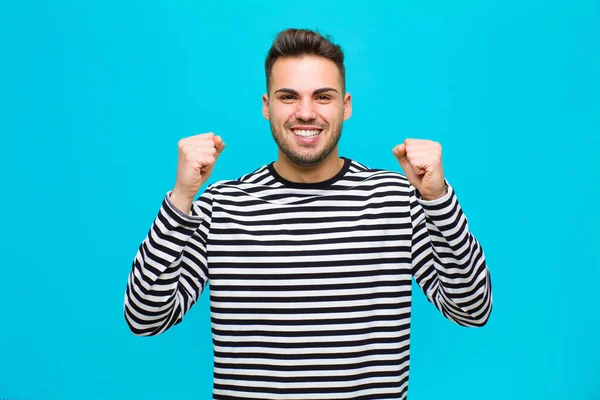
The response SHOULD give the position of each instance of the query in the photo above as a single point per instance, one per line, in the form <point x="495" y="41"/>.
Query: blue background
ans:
<point x="95" y="95"/>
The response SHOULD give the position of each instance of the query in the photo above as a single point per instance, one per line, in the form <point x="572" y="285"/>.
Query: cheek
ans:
<point x="331" y="114"/>
<point x="281" y="114"/>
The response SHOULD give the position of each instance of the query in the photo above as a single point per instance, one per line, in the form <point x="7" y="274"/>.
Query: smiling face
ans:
<point x="306" y="107"/>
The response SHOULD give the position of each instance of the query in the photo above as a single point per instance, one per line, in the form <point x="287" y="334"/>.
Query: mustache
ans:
<point x="287" y="125"/>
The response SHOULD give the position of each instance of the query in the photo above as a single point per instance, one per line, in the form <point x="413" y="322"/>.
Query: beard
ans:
<point x="306" y="157"/>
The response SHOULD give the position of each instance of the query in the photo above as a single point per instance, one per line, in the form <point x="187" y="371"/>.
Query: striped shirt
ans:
<point x="310" y="284"/>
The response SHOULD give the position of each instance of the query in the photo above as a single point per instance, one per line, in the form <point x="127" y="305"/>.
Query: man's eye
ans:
<point x="323" y="97"/>
<point x="287" y="97"/>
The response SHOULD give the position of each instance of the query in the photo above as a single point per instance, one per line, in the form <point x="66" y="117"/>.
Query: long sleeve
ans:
<point x="170" y="270"/>
<point x="448" y="262"/>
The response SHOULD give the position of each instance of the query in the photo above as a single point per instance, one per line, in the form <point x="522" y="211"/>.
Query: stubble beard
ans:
<point x="306" y="159"/>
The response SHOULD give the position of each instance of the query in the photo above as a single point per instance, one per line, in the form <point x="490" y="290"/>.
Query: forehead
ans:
<point x="305" y="73"/>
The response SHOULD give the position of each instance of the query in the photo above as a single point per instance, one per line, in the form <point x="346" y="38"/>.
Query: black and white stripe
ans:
<point x="310" y="284"/>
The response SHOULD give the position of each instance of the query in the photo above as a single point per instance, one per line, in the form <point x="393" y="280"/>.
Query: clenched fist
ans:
<point x="421" y="161"/>
<point x="197" y="157"/>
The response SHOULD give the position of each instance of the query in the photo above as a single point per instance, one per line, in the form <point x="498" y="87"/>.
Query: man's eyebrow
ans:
<point x="295" y="92"/>
<point x="323" y="90"/>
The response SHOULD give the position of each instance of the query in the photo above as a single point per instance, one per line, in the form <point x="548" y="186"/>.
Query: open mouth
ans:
<point x="307" y="133"/>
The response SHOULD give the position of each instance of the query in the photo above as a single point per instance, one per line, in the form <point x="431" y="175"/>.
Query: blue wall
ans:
<point x="94" y="97"/>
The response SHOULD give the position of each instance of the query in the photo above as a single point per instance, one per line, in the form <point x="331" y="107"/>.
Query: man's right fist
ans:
<point x="197" y="157"/>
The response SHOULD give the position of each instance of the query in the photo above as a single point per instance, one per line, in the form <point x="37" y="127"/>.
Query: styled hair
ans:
<point x="302" y="42"/>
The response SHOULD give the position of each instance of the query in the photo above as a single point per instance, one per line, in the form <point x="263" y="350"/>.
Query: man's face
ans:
<point x="306" y="107"/>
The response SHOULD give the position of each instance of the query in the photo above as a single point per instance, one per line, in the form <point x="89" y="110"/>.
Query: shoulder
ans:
<point x="259" y="176"/>
<point x="362" y="172"/>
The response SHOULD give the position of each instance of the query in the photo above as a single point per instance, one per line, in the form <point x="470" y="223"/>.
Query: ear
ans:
<point x="347" y="106"/>
<point x="265" y="108"/>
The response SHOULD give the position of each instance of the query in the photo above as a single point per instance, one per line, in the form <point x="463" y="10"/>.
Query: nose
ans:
<point x="305" y="110"/>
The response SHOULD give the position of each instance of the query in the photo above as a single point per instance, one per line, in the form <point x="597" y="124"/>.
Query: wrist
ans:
<point x="436" y="196"/>
<point x="182" y="195"/>
<point x="182" y="201"/>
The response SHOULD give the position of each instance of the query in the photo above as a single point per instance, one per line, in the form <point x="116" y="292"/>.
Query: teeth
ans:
<point x="306" y="133"/>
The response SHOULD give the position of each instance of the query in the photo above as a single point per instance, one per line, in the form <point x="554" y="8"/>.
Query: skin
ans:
<point x="306" y="91"/>
<point x="421" y="161"/>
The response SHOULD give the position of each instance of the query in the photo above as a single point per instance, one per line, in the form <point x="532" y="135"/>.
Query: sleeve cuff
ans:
<point x="188" y="218"/>
<point x="438" y="201"/>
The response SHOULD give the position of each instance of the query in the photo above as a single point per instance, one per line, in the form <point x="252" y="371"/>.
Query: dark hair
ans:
<point x="300" y="42"/>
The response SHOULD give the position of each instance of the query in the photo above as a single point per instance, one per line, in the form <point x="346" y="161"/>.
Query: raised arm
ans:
<point x="448" y="262"/>
<point x="170" y="269"/>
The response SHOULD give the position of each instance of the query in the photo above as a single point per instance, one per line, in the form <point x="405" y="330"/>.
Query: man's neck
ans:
<point x="323" y="171"/>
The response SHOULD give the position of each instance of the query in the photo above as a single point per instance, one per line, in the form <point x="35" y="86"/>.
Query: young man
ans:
<point x="309" y="258"/>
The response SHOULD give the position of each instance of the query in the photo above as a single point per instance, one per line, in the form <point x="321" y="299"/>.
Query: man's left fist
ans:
<point x="421" y="161"/>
